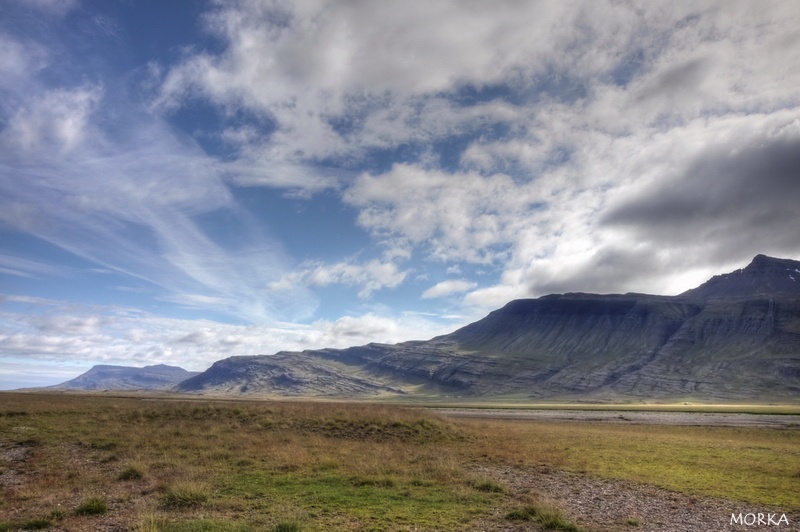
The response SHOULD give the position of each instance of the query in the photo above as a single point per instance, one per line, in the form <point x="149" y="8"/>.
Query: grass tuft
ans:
<point x="103" y="445"/>
<point x="130" y="473"/>
<point x="183" y="495"/>
<point x="488" y="486"/>
<point x="30" y="524"/>
<point x="92" y="506"/>
<point x="548" y="516"/>
<point x="58" y="514"/>
<point x="287" y="526"/>
<point x="35" y="524"/>
<point x="377" y="482"/>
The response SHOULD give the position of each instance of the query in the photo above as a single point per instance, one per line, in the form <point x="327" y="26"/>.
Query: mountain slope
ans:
<point x="736" y="337"/>
<point x="104" y="377"/>
<point x="281" y="374"/>
<point x="765" y="276"/>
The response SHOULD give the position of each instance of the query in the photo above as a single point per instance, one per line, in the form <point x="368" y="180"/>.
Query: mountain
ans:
<point x="283" y="374"/>
<point x="765" y="276"/>
<point x="735" y="337"/>
<point x="103" y="377"/>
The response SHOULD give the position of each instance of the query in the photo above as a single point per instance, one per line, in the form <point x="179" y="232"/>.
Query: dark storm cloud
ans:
<point x="610" y="269"/>
<point x="733" y="197"/>
<point x="674" y="81"/>
<point x="727" y="203"/>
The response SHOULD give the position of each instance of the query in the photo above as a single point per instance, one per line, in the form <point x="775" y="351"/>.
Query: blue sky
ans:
<point x="186" y="181"/>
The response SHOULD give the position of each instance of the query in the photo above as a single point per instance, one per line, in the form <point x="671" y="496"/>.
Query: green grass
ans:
<point x="547" y="516"/>
<point x="287" y="526"/>
<point x="30" y="524"/>
<point x="183" y="465"/>
<point x="380" y="503"/>
<point x="184" y="495"/>
<point x="488" y="486"/>
<point x="746" y="464"/>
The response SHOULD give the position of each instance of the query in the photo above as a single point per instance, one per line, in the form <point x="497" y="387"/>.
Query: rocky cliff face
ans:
<point x="736" y="337"/>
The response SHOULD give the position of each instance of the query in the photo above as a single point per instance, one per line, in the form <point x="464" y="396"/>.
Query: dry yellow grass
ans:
<point x="195" y="464"/>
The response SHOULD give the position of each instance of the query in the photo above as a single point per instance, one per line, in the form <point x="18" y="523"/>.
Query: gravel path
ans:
<point x="636" y="417"/>
<point x="602" y="505"/>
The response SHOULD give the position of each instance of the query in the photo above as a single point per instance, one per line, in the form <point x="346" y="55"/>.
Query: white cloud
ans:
<point x="129" y="196"/>
<point x="368" y="276"/>
<point x="17" y="62"/>
<point x="456" y="216"/>
<point x="540" y="140"/>
<point x="114" y="335"/>
<point x="449" y="287"/>
<point x="56" y="121"/>
<point x="494" y="297"/>
<point x="595" y="89"/>
<point x="593" y="85"/>
<point x="27" y="268"/>
<point x="52" y="7"/>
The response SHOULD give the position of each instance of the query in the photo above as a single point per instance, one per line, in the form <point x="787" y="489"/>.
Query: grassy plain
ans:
<point x="169" y="464"/>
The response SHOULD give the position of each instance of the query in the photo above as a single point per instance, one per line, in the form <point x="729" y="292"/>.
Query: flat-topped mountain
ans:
<point x="105" y="377"/>
<point x="736" y="337"/>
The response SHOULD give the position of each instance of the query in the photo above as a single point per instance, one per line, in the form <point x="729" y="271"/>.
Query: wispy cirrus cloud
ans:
<point x="121" y="189"/>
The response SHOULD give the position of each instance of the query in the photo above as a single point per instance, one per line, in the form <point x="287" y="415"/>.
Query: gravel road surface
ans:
<point x="638" y="417"/>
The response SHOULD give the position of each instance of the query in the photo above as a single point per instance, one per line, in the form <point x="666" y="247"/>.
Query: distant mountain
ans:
<point x="282" y="374"/>
<point x="103" y="377"/>
<point x="736" y="337"/>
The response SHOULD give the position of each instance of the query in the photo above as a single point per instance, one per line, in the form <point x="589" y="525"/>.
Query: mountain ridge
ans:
<point x="735" y="337"/>
<point x="763" y="276"/>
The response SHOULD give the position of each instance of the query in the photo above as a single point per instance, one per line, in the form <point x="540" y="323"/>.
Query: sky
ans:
<point x="181" y="182"/>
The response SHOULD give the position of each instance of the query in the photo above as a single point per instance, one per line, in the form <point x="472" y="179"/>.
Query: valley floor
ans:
<point x="146" y="464"/>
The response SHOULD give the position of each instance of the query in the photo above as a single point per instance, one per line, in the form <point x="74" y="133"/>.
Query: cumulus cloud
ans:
<point x="56" y="121"/>
<point x="339" y="78"/>
<point x="449" y="287"/>
<point x="368" y="276"/>
<point x="457" y="216"/>
<point x="560" y="111"/>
